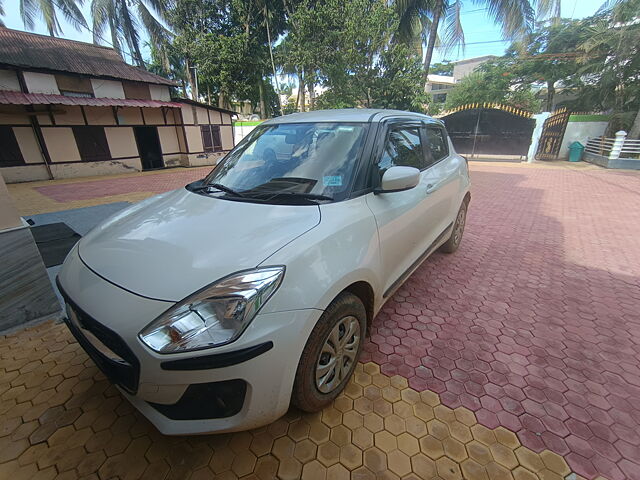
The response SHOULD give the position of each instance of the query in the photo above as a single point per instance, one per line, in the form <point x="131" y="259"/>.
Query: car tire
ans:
<point x="313" y="389"/>
<point x="452" y="244"/>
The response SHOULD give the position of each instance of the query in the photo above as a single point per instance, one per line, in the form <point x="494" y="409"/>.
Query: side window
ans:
<point x="437" y="147"/>
<point x="402" y="148"/>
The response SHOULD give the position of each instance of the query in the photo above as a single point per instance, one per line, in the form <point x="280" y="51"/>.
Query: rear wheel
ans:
<point x="330" y="355"/>
<point x="453" y="243"/>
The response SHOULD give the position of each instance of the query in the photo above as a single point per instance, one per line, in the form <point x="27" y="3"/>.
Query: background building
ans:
<point x="464" y="67"/>
<point x="440" y="85"/>
<point x="70" y="109"/>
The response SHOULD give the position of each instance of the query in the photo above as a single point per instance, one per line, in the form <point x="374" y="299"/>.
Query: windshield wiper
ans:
<point x="294" y="196"/>
<point x="218" y="186"/>
<point x="225" y="189"/>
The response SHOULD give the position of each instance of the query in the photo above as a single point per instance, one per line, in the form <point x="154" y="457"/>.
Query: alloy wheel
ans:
<point x="338" y="354"/>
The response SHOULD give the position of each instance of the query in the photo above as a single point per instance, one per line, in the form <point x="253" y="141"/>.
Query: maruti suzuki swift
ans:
<point x="216" y="306"/>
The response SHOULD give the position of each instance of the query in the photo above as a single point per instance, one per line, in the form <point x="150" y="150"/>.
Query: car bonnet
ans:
<point x="171" y="245"/>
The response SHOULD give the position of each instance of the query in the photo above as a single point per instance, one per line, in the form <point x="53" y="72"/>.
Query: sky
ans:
<point x="482" y="36"/>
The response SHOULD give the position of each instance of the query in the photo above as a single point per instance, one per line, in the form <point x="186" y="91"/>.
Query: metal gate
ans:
<point x="552" y="135"/>
<point x="489" y="129"/>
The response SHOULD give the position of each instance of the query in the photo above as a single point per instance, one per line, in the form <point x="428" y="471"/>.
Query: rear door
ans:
<point x="406" y="224"/>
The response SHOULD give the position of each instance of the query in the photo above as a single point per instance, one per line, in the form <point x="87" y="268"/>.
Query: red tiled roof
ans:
<point x="28" y="50"/>
<point x="19" y="98"/>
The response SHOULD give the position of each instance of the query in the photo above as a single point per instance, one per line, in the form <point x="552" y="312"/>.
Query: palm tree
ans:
<point x="414" y="22"/>
<point x="49" y="11"/>
<point x="124" y="19"/>
<point x="423" y="18"/>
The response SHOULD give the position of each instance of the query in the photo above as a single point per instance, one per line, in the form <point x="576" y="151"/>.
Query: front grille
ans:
<point x="126" y="371"/>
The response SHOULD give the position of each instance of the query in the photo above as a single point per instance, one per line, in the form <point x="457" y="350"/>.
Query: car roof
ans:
<point x="346" y="115"/>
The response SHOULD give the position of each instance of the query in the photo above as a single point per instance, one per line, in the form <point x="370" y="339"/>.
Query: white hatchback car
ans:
<point x="215" y="306"/>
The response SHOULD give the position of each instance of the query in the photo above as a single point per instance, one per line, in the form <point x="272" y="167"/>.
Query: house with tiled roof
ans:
<point x="71" y="109"/>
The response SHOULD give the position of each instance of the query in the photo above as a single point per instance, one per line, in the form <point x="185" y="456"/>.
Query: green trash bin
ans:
<point x="576" y="149"/>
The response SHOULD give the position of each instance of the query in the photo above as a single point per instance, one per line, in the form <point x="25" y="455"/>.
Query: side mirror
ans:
<point x="398" y="179"/>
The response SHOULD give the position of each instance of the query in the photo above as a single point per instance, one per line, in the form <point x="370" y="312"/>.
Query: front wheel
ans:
<point x="453" y="243"/>
<point x="330" y="355"/>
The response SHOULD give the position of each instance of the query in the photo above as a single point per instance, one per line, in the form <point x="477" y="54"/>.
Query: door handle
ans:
<point x="430" y="188"/>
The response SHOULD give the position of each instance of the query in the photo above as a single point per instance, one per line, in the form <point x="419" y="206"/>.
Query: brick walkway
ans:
<point x="51" y="196"/>
<point x="533" y="327"/>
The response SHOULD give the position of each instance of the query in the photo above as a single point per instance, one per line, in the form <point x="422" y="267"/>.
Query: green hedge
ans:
<point x="589" y="118"/>
<point x="248" y="124"/>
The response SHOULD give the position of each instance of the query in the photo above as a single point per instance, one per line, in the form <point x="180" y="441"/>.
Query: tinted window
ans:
<point x="402" y="148"/>
<point x="436" y="145"/>
<point x="92" y="143"/>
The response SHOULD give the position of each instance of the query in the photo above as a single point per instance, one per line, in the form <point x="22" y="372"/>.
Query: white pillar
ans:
<point x="618" y="143"/>
<point x="535" y="136"/>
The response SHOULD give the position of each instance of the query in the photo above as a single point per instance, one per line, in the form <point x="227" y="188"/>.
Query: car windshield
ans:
<point x="315" y="161"/>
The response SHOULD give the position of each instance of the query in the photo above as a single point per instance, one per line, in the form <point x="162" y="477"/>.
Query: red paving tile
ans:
<point x="154" y="183"/>
<point x="535" y="323"/>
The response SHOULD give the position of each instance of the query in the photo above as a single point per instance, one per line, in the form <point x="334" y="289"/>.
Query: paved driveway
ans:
<point x="517" y="357"/>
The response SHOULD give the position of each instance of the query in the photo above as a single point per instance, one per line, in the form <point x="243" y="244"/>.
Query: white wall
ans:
<point x="241" y="131"/>
<point x="107" y="88"/>
<point x="9" y="81"/>
<point x="28" y="144"/>
<point x="580" y="132"/>
<point x="24" y="173"/>
<point x="61" y="144"/>
<point x="122" y="142"/>
<point x="535" y="136"/>
<point x="168" y="139"/>
<point x="90" y="169"/>
<point x="159" y="92"/>
<point x="41" y="83"/>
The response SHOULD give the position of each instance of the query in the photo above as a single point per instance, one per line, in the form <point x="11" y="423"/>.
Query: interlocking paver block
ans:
<point x="494" y="362"/>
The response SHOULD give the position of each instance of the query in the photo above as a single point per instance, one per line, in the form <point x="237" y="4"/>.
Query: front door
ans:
<point x="149" y="147"/>
<point x="406" y="222"/>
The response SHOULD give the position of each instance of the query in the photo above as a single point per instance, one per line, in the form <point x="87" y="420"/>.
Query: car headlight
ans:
<point x="215" y="315"/>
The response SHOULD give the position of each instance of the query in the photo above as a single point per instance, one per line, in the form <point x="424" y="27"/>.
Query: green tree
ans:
<point x="49" y="11"/>
<point x="424" y="18"/>
<point x="611" y="63"/>
<point x="443" y="68"/>
<point x="228" y="42"/>
<point x="169" y="63"/>
<point x="548" y="55"/>
<point x="492" y="83"/>
<point x="415" y="21"/>
<point x="355" y="58"/>
<point x="399" y="83"/>
<point x="124" y="19"/>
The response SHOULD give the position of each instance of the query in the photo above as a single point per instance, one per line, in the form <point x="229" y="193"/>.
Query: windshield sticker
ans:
<point x="332" y="180"/>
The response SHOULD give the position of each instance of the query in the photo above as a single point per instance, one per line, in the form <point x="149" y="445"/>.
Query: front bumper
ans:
<point x="242" y="385"/>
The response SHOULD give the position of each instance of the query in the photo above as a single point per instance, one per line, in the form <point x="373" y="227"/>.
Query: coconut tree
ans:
<point x="125" y="19"/>
<point x="421" y="20"/>
<point x="49" y="11"/>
